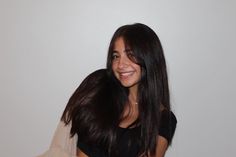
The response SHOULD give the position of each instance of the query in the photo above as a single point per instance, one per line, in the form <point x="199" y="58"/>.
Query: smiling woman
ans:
<point x="124" y="110"/>
<point x="136" y="63"/>
<point x="125" y="70"/>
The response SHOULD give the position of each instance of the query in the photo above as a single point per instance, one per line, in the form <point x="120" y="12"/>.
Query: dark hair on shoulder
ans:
<point x="83" y="94"/>
<point x="93" y="111"/>
<point x="96" y="107"/>
<point x="153" y="90"/>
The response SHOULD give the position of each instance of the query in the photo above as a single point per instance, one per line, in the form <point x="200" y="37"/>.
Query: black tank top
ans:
<point x="130" y="138"/>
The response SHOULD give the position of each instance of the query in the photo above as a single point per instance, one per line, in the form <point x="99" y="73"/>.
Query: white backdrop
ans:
<point x="48" y="46"/>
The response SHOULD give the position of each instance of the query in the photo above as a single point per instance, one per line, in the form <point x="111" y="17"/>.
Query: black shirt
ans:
<point x="130" y="138"/>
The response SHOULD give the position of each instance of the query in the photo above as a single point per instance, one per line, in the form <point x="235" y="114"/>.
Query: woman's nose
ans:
<point x="123" y="62"/>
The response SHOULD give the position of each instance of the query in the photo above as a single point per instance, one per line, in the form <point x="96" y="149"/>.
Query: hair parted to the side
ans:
<point x="96" y="107"/>
<point x="153" y="90"/>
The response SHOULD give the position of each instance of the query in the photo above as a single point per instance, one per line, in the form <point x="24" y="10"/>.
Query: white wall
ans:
<point x="47" y="47"/>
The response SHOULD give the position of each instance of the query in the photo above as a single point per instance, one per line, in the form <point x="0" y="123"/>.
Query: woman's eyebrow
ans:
<point x="114" y="51"/>
<point x="128" y="50"/>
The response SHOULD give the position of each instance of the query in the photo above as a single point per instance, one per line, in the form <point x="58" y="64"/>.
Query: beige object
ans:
<point x="62" y="144"/>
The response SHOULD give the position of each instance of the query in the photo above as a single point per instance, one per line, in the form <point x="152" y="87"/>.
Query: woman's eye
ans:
<point x="130" y="55"/>
<point x="114" y="56"/>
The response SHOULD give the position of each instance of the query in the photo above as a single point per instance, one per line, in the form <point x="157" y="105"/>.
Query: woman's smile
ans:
<point x="125" y="70"/>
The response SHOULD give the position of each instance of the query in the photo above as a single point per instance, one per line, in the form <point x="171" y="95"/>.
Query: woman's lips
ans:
<point x="124" y="75"/>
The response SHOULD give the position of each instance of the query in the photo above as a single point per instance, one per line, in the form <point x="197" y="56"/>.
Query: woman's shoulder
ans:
<point x="167" y="126"/>
<point x="167" y="115"/>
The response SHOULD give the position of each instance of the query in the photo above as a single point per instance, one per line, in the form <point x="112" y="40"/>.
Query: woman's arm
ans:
<point x="162" y="145"/>
<point x="80" y="153"/>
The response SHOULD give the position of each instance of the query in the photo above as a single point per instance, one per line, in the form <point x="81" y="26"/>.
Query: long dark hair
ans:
<point x="153" y="90"/>
<point x="96" y="107"/>
<point x="94" y="111"/>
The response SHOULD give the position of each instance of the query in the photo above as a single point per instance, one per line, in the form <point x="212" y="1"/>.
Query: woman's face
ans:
<point x="124" y="69"/>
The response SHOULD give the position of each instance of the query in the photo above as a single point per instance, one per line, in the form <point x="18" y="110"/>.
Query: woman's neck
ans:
<point x="133" y="95"/>
<point x="130" y="113"/>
